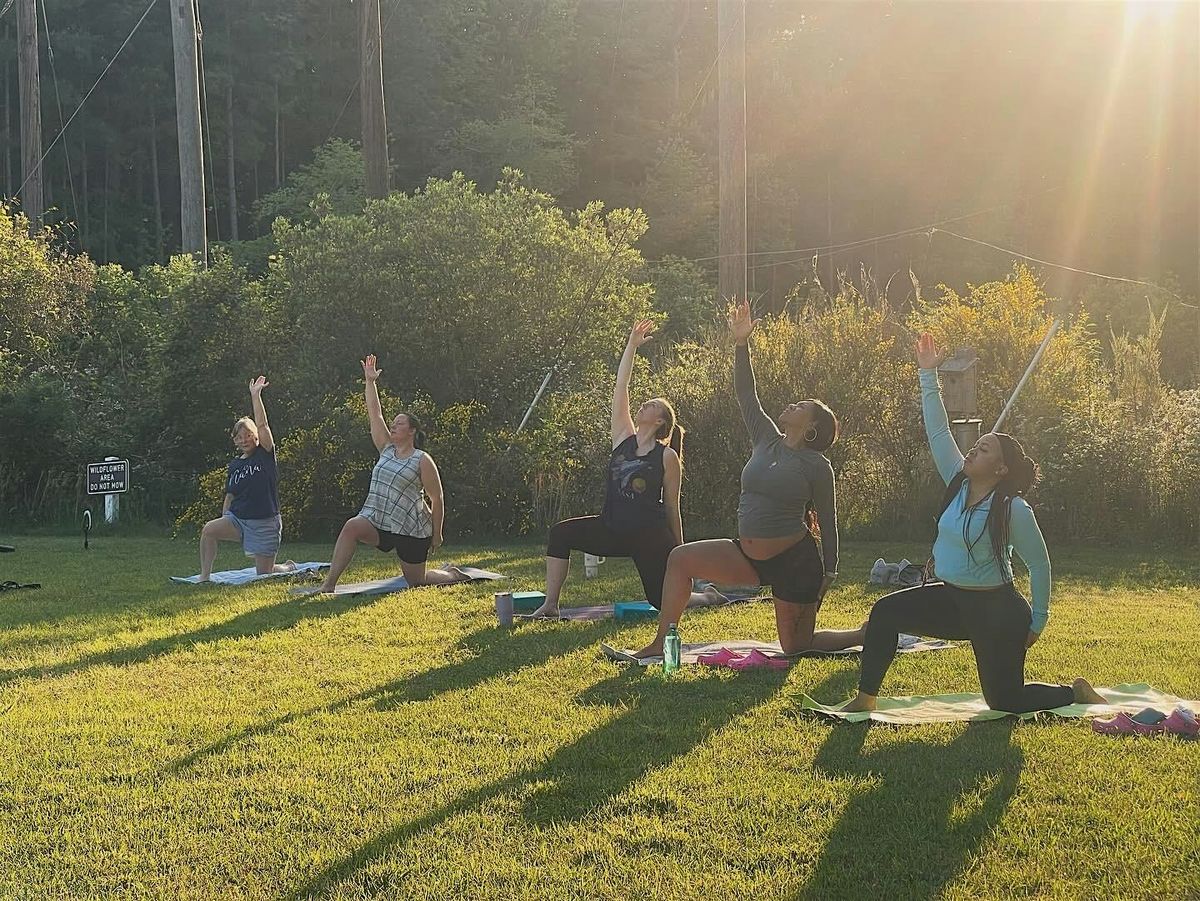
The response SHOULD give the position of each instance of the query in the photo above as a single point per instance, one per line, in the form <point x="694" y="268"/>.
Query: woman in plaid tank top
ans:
<point x="404" y="507"/>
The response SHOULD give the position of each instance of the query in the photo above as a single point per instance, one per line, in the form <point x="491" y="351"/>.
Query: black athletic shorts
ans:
<point x="794" y="574"/>
<point x="407" y="548"/>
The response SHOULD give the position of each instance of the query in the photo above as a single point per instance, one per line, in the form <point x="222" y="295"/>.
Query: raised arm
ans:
<point x="265" y="439"/>
<point x="622" y="421"/>
<point x="760" y="426"/>
<point x="380" y="433"/>
<point x="1027" y="541"/>
<point x="431" y="481"/>
<point x="946" y="455"/>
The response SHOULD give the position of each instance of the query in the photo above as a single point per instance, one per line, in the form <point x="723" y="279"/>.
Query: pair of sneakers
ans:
<point x="884" y="573"/>
<point x="1149" y="721"/>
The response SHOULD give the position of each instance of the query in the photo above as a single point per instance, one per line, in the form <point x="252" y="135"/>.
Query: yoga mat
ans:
<point x="691" y="653"/>
<point x="397" y="583"/>
<point x="249" y="574"/>
<point x="605" y="611"/>
<point x="1130" y="698"/>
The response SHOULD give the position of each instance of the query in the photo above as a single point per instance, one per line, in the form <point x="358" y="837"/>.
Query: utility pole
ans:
<point x="187" y="123"/>
<point x="731" y="197"/>
<point x="32" y="197"/>
<point x="374" y="118"/>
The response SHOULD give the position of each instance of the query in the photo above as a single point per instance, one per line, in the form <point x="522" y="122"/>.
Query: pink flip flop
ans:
<point x="1182" y="722"/>
<point x="723" y="657"/>
<point x="757" y="658"/>
<point x="1121" y="724"/>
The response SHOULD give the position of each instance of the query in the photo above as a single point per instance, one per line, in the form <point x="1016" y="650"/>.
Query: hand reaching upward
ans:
<point x="740" y="323"/>
<point x="641" y="333"/>
<point x="928" y="354"/>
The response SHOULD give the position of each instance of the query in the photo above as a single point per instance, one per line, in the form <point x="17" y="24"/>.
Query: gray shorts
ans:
<point x="260" y="537"/>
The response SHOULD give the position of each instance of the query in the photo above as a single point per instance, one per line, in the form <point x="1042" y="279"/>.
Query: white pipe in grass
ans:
<point x="536" y="398"/>
<point x="1054" y="327"/>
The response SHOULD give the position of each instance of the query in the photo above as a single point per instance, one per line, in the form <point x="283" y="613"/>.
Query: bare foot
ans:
<point x="1085" y="694"/>
<point x="546" y="611"/>
<point x="203" y="579"/>
<point x="858" y="703"/>
<point x="712" y="597"/>
<point x="654" y="649"/>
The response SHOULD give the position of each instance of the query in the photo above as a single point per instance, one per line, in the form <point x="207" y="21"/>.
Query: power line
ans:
<point x="804" y="252"/>
<point x="58" y="103"/>
<point x="90" y="90"/>
<point x="1111" y="278"/>
<point x="207" y="126"/>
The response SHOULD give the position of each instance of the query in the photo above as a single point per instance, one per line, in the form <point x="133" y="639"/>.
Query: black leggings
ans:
<point x="995" y="620"/>
<point x="648" y="547"/>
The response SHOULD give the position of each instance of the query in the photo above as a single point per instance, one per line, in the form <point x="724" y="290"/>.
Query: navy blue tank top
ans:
<point x="633" y="492"/>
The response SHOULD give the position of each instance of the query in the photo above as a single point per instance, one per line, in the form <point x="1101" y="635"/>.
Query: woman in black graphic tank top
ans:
<point x="640" y="517"/>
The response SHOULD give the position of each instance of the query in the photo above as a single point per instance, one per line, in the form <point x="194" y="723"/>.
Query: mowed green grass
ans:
<point x="161" y="740"/>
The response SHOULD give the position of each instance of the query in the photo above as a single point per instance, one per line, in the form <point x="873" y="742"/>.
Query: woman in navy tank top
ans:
<point x="640" y="517"/>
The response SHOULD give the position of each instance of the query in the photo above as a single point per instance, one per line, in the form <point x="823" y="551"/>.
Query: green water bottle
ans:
<point x="671" y="650"/>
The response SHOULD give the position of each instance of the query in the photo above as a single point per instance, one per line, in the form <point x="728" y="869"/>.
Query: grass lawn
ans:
<point x="161" y="740"/>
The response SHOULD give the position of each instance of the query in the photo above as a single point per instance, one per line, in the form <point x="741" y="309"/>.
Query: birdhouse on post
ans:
<point x="959" y="393"/>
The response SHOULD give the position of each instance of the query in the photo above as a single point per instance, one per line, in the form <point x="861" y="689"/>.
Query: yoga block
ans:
<point x="634" y="610"/>
<point x="527" y="601"/>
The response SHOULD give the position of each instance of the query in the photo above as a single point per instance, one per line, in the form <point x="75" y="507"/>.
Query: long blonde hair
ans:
<point x="670" y="431"/>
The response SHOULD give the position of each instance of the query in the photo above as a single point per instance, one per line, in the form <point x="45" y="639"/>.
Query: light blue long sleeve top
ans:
<point x="977" y="567"/>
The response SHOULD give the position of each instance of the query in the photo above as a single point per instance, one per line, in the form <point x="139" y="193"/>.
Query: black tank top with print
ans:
<point x="633" y="493"/>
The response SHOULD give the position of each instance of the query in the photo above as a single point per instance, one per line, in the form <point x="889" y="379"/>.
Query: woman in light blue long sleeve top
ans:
<point x="984" y="519"/>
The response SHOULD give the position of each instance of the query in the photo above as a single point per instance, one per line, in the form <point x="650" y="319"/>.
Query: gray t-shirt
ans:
<point x="779" y="482"/>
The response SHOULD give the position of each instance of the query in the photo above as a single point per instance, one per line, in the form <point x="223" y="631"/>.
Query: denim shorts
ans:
<point x="260" y="537"/>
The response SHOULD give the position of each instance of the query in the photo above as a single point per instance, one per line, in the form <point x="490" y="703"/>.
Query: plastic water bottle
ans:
<point x="672" y="647"/>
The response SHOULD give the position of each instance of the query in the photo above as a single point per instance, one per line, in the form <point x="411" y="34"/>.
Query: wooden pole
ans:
<point x="374" y="118"/>
<point x="159" y="232"/>
<point x="731" y="74"/>
<point x="32" y="197"/>
<point x="193" y="229"/>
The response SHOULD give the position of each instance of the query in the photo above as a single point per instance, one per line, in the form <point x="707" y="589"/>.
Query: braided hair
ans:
<point x="1023" y="474"/>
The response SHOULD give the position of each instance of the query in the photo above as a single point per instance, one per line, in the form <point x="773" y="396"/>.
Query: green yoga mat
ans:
<point x="971" y="707"/>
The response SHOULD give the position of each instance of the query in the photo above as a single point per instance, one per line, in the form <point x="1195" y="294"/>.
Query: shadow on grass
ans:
<point x="914" y="833"/>
<point x="494" y="652"/>
<point x="663" y="719"/>
<point x="276" y="617"/>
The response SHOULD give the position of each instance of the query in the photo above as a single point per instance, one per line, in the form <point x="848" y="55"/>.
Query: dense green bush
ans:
<point x="469" y="298"/>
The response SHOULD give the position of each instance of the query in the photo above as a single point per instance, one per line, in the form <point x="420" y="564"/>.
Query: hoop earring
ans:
<point x="811" y="435"/>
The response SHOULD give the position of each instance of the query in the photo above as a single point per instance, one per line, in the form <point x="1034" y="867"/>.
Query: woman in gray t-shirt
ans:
<point x="787" y="505"/>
